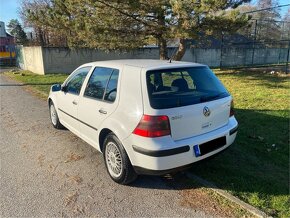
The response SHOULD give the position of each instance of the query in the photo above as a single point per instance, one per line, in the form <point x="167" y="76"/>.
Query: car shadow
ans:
<point x="177" y="181"/>
<point x="27" y="84"/>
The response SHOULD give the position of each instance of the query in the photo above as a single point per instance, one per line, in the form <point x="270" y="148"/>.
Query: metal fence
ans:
<point x="257" y="54"/>
<point x="262" y="43"/>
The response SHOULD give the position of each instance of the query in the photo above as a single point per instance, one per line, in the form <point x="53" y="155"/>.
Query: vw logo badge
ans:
<point x="206" y="111"/>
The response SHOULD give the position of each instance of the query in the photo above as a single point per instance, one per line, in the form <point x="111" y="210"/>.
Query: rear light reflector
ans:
<point x="232" y="109"/>
<point x="153" y="126"/>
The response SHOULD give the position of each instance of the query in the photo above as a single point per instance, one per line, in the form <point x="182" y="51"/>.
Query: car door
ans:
<point x="68" y="99"/>
<point x="98" y="101"/>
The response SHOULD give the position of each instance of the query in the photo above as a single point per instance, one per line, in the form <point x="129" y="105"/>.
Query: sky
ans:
<point x="9" y="9"/>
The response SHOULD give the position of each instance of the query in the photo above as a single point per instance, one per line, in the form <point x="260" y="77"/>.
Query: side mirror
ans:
<point x="55" y="87"/>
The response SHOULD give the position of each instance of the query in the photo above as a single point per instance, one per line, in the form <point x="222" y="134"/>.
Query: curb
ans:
<point x="251" y="209"/>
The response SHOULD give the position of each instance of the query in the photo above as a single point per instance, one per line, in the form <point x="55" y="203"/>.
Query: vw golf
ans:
<point x="146" y="116"/>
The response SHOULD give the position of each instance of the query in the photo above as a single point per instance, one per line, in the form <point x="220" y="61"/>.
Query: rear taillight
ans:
<point x="153" y="126"/>
<point x="232" y="109"/>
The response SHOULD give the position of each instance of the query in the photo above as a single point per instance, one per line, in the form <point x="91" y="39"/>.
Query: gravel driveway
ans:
<point x="47" y="172"/>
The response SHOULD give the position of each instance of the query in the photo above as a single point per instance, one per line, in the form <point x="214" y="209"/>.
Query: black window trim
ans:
<point x="73" y="74"/>
<point x="162" y="70"/>
<point x="97" y="99"/>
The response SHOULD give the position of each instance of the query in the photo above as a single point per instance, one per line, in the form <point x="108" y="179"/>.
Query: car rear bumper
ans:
<point x="161" y="153"/>
<point x="144" y="171"/>
<point x="157" y="156"/>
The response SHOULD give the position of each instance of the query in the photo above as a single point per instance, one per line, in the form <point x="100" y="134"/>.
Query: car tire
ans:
<point x="54" y="117"/>
<point x="117" y="162"/>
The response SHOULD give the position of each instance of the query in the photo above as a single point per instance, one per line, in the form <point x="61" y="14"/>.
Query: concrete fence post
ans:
<point x="287" y="61"/>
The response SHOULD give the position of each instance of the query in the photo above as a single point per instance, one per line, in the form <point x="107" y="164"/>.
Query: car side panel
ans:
<point x="90" y="116"/>
<point x="130" y="109"/>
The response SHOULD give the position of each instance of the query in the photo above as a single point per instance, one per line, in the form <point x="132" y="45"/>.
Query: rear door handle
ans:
<point x="102" y="111"/>
<point x="74" y="102"/>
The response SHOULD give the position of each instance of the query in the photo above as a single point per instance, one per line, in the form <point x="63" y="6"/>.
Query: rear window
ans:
<point x="179" y="87"/>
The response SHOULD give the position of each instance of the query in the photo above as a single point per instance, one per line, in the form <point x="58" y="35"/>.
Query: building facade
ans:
<point x="7" y="46"/>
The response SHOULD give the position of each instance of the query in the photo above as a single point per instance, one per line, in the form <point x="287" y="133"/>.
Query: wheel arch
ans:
<point x="102" y="136"/>
<point x="49" y="100"/>
<point x="113" y="126"/>
<point x="52" y="98"/>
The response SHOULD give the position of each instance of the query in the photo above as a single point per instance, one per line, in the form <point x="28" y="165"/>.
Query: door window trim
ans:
<point x="71" y="76"/>
<point x="98" y="99"/>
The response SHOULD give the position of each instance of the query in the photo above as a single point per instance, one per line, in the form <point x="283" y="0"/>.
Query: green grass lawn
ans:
<point x="39" y="83"/>
<point x="256" y="167"/>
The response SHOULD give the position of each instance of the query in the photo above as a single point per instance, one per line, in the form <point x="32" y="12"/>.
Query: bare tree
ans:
<point x="42" y="34"/>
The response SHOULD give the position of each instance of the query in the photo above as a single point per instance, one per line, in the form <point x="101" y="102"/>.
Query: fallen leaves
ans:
<point x="71" y="198"/>
<point x="76" y="179"/>
<point x="199" y="198"/>
<point x="40" y="159"/>
<point x="73" y="157"/>
<point x="79" y="210"/>
<point x="260" y="138"/>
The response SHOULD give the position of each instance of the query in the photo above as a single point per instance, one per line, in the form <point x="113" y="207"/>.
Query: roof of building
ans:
<point x="8" y="35"/>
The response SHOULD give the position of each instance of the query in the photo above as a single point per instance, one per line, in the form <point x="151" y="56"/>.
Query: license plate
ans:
<point x="212" y="145"/>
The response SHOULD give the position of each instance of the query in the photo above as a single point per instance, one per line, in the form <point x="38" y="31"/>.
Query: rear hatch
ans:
<point x="193" y="98"/>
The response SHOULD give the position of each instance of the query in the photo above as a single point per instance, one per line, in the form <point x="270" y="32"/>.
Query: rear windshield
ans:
<point x="179" y="87"/>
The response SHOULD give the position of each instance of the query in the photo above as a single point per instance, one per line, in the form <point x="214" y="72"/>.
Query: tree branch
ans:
<point x="126" y="14"/>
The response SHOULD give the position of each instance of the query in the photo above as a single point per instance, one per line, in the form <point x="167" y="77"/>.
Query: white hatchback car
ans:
<point x="145" y="116"/>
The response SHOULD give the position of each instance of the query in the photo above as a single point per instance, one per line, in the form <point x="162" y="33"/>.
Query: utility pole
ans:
<point x="287" y="61"/>
<point x="281" y="38"/>
<point x="221" y="48"/>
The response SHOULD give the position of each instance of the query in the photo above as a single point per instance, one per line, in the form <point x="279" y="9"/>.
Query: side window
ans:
<point x="103" y="84"/>
<point x="74" y="85"/>
<point x="111" y="90"/>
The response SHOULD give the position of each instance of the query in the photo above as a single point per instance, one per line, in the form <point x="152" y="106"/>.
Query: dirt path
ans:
<point x="46" y="172"/>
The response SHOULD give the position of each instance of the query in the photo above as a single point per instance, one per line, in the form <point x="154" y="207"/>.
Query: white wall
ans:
<point x="33" y="60"/>
<point x="63" y="60"/>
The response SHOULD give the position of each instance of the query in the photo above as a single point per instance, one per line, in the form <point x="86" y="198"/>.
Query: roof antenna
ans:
<point x="170" y="59"/>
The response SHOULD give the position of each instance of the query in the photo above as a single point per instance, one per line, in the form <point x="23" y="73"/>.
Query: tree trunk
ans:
<point x="163" y="52"/>
<point x="181" y="50"/>
<point x="47" y="38"/>
<point x="40" y="37"/>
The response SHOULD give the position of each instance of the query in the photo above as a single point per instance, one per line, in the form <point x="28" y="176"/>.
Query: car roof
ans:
<point x="148" y="64"/>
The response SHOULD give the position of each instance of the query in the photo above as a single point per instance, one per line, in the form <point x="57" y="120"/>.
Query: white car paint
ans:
<point x="188" y="125"/>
